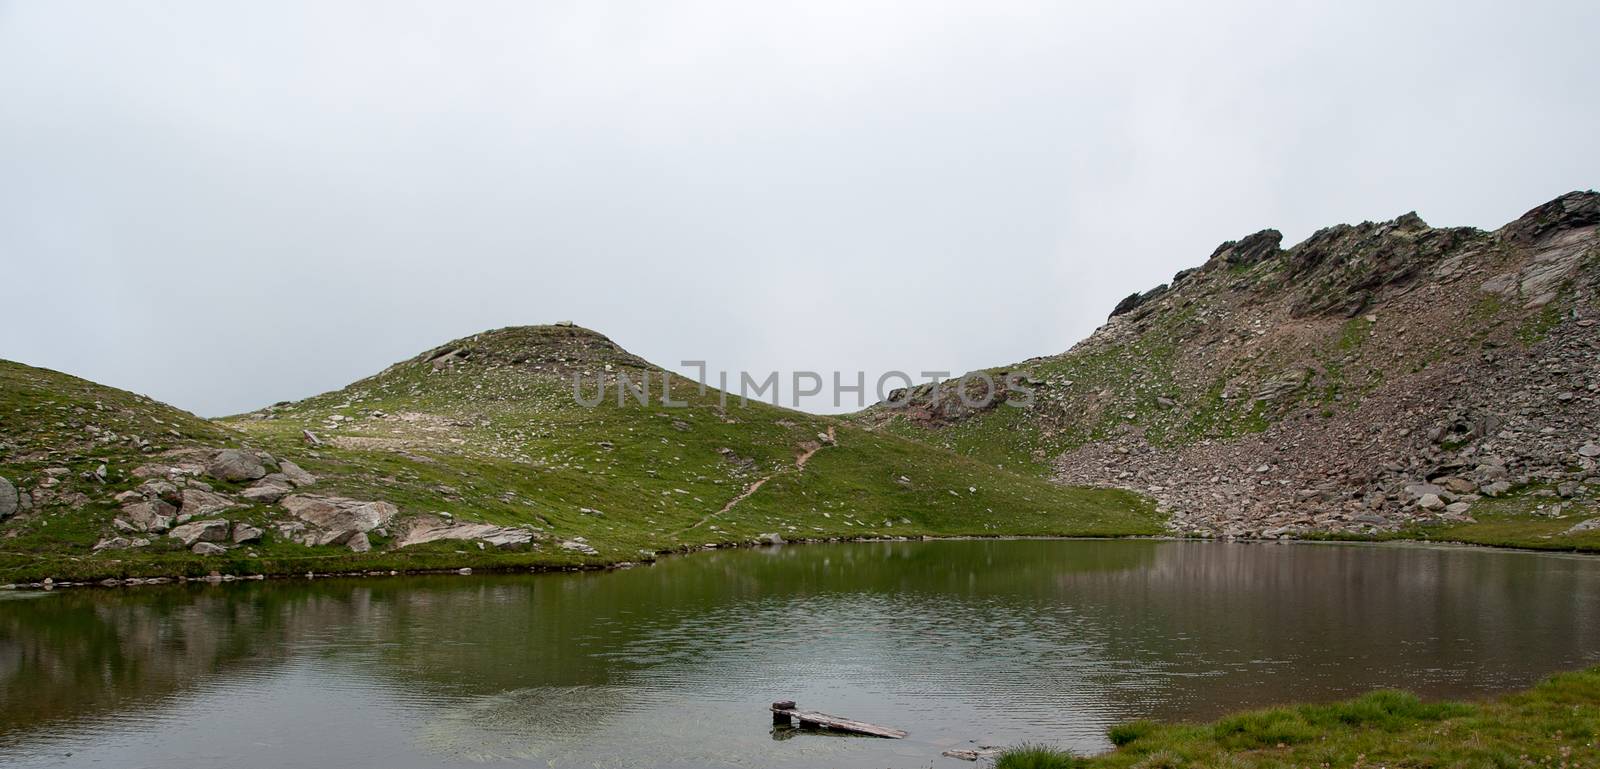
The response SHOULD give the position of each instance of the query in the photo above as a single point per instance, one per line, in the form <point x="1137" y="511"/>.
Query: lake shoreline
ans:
<point x="1004" y="633"/>
<point x="486" y="563"/>
<point x="1550" y="723"/>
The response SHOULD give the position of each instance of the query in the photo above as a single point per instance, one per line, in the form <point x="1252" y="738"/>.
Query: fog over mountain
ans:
<point x="227" y="205"/>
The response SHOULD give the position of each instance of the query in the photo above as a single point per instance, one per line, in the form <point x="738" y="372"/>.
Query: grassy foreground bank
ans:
<point x="1554" y="724"/>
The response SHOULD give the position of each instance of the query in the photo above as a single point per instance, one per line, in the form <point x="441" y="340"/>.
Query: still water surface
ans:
<point x="673" y="665"/>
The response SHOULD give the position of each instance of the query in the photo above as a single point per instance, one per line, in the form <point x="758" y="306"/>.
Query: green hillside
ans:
<point x="482" y="444"/>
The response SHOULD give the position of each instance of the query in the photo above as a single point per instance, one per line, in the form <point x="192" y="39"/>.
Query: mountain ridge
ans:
<point x="1367" y="380"/>
<point x="1380" y="380"/>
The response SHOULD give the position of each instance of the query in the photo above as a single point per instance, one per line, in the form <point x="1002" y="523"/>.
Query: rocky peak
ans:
<point x="1568" y="212"/>
<point x="548" y="347"/>
<point x="1370" y="376"/>
<point x="1342" y="270"/>
<point x="1254" y="248"/>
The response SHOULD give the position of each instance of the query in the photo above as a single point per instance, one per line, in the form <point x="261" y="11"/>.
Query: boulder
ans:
<point x="113" y="543"/>
<point x="153" y="516"/>
<point x="1593" y="524"/>
<point x="359" y="543"/>
<point x="1495" y="489"/>
<point x="1420" y="490"/>
<point x="1590" y="450"/>
<point x="10" y="501"/>
<point x="434" y="531"/>
<point x="216" y="530"/>
<point x="1431" y="502"/>
<point x="266" y="492"/>
<point x="294" y="531"/>
<point x="197" y="502"/>
<point x="207" y="548"/>
<point x="770" y="539"/>
<point x="579" y="545"/>
<point x="295" y="474"/>
<point x="337" y="519"/>
<point x="162" y="490"/>
<point x="235" y="465"/>
<point x="152" y="471"/>
<point x="244" y="532"/>
<point x="1489" y="472"/>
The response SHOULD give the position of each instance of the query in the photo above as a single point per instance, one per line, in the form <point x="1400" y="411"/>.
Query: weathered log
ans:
<point x="780" y="711"/>
<point x="810" y="719"/>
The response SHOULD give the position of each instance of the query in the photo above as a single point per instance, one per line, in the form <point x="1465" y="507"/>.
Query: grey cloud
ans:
<point x="224" y="205"/>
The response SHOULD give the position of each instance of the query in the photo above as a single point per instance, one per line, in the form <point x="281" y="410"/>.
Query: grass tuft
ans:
<point x="1036" y="756"/>
<point x="1123" y="734"/>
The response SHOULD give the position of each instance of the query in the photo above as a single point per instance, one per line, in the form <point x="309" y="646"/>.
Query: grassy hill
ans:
<point x="57" y="432"/>
<point x="486" y="432"/>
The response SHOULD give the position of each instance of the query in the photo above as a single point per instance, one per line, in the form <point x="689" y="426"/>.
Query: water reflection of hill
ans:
<point x="1011" y="634"/>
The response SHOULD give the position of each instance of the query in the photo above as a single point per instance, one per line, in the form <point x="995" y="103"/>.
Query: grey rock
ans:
<point x="1491" y="472"/>
<point x="434" y="531"/>
<point x="198" y="503"/>
<point x="1590" y="450"/>
<point x="162" y="490"/>
<point x="152" y="471"/>
<point x="244" y="532"/>
<point x="295" y="474"/>
<point x="1420" y="490"/>
<point x="235" y="465"/>
<point x="266" y="492"/>
<point x="207" y="548"/>
<point x="201" y="531"/>
<point x="337" y="519"/>
<point x="10" y="501"/>
<point x="1430" y="502"/>
<point x="113" y="543"/>
<point x="1495" y="489"/>
<point x="154" y="516"/>
<point x="358" y="542"/>
<point x="770" y="539"/>
<point x="1593" y="524"/>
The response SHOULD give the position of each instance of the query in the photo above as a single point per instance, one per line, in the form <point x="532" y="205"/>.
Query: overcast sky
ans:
<point x="227" y="204"/>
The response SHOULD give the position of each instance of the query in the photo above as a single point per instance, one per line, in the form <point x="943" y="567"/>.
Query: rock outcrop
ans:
<point x="1369" y="377"/>
<point x="433" y="530"/>
<point x="329" y="520"/>
<point x="236" y="465"/>
<point x="201" y="531"/>
<point x="9" y="499"/>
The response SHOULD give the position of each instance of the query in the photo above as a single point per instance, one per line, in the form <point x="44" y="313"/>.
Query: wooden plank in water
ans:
<point x="811" y="718"/>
